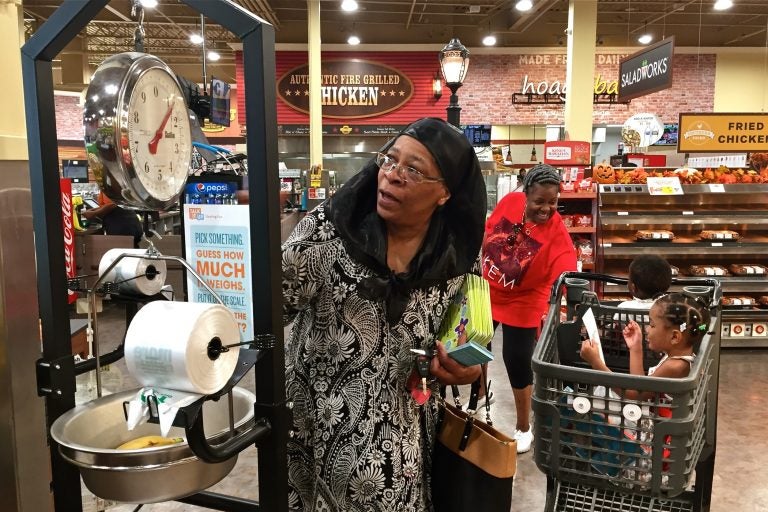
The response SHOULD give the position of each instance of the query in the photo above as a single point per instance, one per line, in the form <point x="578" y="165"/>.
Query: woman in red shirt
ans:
<point x="526" y="248"/>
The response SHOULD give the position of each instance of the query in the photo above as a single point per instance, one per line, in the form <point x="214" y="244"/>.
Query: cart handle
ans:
<point x="557" y="287"/>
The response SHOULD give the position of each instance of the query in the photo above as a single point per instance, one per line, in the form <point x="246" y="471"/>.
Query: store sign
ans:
<point x="330" y="129"/>
<point x="642" y="130"/>
<point x="567" y="152"/>
<point x="218" y="246"/>
<point x="351" y="88"/>
<point x="541" y="87"/>
<point x="647" y="71"/>
<point x="722" y="132"/>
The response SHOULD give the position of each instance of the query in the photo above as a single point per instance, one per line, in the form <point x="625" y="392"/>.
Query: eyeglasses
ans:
<point x="408" y="174"/>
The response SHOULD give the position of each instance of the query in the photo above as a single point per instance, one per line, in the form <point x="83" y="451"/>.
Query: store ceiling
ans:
<point x="432" y="22"/>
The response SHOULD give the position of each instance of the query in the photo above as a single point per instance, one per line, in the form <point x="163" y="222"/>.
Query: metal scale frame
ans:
<point x="56" y="370"/>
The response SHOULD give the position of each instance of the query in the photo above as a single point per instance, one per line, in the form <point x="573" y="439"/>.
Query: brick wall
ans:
<point x="486" y="96"/>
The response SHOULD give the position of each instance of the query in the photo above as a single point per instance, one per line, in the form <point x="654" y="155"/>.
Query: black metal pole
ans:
<point x="453" y="108"/>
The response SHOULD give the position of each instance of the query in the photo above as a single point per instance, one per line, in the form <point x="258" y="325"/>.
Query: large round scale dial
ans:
<point x="137" y="131"/>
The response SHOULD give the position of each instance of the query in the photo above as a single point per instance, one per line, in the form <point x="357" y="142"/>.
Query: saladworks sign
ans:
<point x="647" y="71"/>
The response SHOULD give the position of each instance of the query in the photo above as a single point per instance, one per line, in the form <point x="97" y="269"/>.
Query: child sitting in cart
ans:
<point x="649" y="276"/>
<point x="677" y="323"/>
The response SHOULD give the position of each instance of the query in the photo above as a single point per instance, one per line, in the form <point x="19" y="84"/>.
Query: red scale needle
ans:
<point x="160" y="131"/>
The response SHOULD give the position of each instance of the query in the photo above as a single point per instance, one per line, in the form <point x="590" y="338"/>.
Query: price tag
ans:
<point x="622" y="213"/>
<point x="717" y="244"/>
<point x="716" y="187"/>
<point x="687" y="213"/>
<point x="607" y="244"/>
<point x="665" y="186"/>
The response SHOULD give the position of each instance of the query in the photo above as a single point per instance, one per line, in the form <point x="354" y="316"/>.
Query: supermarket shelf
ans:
<point x="683" y="249"/>
<point x="743" y="342"/>
<point x="582" y="229"/>
<point x="685" y="217"/>
<point x="729" y="285"/>
<point x="736" y="188"/>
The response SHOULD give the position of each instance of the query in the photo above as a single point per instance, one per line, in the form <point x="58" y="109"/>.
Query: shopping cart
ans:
<point x="602" y="451"/>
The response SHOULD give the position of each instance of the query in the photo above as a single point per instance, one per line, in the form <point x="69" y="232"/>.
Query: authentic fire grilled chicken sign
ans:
<point x="351" y="88"/>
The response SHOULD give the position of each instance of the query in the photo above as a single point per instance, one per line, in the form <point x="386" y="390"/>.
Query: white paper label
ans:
<point x="716" y="187"/>
<point x="717" y="244"/>
<point x="687" y="213"/>
<point x="622" y="213"/>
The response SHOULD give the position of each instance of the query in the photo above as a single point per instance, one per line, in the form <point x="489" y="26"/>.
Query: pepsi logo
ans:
<point x="200" y="187"/>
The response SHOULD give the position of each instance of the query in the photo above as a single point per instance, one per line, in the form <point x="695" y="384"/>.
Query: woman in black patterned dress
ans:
<point x="368" y="276"/>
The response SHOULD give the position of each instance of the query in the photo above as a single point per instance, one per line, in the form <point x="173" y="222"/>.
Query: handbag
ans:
<point x="473" y="464"/>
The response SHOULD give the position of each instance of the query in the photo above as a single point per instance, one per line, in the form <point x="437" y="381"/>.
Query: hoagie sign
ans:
<point x="350" y="88"/>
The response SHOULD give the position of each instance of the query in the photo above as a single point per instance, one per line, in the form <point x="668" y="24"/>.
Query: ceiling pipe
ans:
<point x="410" y="15"/>
<point x="662" y="16"/>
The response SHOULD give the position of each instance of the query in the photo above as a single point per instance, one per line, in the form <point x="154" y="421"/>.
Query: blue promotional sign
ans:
<point x="210" y="193"/>
<point x="218" y="247"/>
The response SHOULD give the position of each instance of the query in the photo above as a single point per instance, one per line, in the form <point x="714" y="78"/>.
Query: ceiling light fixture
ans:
<point x="722" y="5"/>
<point x="524" y="5"/>
<point x="349" y="5"/>
<point x="196" y="39"/>
<point x="213" y="55"/>
<point x="149" y="4"/>
<point x="353" y="40"/>
<point x="489" y="40"/>
<point x="645" y="38"/>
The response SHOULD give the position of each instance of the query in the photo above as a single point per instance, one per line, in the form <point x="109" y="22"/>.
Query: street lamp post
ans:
<point x="454" y="62"/>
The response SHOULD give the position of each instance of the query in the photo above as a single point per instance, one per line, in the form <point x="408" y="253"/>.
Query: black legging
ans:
<point x="517" y="351"/>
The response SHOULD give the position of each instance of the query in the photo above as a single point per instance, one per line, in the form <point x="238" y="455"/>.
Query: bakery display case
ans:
<point x="718" y="230"/>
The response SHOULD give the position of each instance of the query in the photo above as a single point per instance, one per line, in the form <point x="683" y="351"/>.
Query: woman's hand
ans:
<point x="633" y="336"/>
<point x="449" y="371"/>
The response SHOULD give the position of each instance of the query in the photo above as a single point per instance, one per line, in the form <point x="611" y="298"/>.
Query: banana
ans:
<point x="149" y="442"/>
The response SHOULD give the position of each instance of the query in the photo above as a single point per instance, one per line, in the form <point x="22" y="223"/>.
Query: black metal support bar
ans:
<point x="217" y="501"/>
<point x="261" y="120"/>
<point x="453" y="108"/>
<point x="90" y="364"/>
<point x="36" y="56"/>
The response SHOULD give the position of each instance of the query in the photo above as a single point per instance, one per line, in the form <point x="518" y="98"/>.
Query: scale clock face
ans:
<point x="137" y="132"/>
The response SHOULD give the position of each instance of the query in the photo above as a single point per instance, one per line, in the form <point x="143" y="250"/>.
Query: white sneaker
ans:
<point x="524" y="440"/>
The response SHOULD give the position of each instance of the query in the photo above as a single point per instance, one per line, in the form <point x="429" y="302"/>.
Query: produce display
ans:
<point x="748" y="270"/>
<point x="738" y="300"/>
<point x="707" y="270"/>
<point x="654" y="234"/>
<point x="710" y="234"/>
<point x="604" y="173"/>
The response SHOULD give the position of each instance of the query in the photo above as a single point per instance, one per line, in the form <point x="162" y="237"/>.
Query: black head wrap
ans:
<point x="455" y="232"/>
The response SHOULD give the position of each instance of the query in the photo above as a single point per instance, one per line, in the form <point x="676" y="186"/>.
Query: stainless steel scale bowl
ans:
<point x="88" y="434"/>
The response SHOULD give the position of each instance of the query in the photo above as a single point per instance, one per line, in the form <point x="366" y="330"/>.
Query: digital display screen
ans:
<point x="219" y="102"/>
<point x="669" y="137"/>
<point x="479" y="135"/>
<point x="76" y="170"/>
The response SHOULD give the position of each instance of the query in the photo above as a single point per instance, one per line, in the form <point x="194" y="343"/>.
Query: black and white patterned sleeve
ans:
<point x="307" y="257"/>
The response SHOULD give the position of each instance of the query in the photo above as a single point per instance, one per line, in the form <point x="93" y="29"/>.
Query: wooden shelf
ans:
<point x="582" y="229"/>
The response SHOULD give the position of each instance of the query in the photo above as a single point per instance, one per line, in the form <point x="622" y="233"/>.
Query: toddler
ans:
<point x="649" y="276"/>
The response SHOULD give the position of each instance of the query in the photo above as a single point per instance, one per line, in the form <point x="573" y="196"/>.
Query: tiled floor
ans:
<point x="742" y="445"/>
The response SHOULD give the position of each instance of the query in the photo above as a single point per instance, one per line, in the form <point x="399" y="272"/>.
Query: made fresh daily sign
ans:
<point x="647" y="71"/>
<point x="351" y="88"/>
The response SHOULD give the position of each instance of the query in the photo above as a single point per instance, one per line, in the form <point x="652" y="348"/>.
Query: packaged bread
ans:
<point x="675" y="270"/>
<point x="763" y="300"/>
<point x="707" y="270"/>
<point x="748" y="270"/>
<point x="711" y="234"/>
<point x="654" y="234"/>
<point x="738" y="300"/>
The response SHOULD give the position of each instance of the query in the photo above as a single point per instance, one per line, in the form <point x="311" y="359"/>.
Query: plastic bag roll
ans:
<point x="134" y="275"/>
<point x="166" y="346"/>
